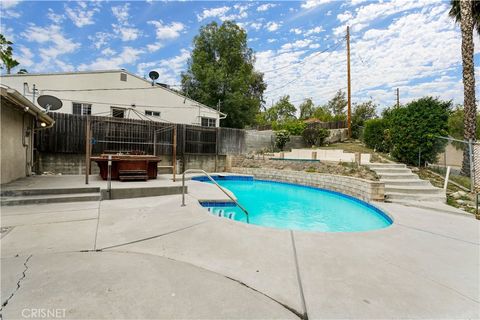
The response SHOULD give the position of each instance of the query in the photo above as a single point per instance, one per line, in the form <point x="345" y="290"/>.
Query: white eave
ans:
<point x="26" y="105"/>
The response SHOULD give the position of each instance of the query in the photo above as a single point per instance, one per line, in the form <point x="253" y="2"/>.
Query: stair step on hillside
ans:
<point x="37" y="199"/>
<point x="392" y="170"/>
<point x="405" y="182"/>
<point x="414" y="190"/>
<point x="375" y="166"/>
<point x="398" y="176"/>
<point x="394" y="196"/>
<point x="33" y="192"/>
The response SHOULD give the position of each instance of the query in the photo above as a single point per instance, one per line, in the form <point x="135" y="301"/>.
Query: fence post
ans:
<point x="87" y="149"/>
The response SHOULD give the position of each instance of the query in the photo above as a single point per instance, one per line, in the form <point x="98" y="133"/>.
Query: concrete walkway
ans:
<point x="152" y="258"/>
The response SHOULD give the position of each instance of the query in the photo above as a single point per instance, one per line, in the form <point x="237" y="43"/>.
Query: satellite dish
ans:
<point x="153" y="75"/>
<point x="49" y="102"/>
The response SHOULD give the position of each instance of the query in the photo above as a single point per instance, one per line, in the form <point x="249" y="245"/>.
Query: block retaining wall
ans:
<point x="360" y="188"/>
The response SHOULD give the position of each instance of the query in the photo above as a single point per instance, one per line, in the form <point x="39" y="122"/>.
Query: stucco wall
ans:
<point x="13" y="154"/>
<point x="360" y="188"/>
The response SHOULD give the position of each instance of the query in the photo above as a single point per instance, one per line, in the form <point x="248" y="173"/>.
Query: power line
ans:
<point x="295" y="79"/>
<point x="304" y="61"/>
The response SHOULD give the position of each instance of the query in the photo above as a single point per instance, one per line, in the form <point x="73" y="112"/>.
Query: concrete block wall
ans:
<point x="360" y="188"/>
<point x="72" y="163"/>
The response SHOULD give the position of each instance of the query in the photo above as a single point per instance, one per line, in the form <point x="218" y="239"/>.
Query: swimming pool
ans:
<point x="290" y="206"/>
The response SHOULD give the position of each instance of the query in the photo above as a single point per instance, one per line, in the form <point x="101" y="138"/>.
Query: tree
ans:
<point x="307" y="108"/>
<point x="361" y="113"/>
<point x="456" y="124"/>
<point x="468" y="14"/>
<point x="281" y="139"/>
<point x="338" y="103"/>
<point x="6" y="54"/>
<point x="221" y="71"/>
<point x="322" y="113"/>
<point x="415" y="129"/>
<point x="22" y="71"/>
<point x="281" y="111"/>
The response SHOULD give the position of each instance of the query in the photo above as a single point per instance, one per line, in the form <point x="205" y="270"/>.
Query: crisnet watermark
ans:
<point x="43" y="313"/>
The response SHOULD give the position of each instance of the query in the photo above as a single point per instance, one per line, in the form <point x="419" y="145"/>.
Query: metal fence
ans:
<point x="458" y="155"/>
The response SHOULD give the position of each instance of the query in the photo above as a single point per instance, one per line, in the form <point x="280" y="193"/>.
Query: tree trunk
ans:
<point x="468" y="80"/>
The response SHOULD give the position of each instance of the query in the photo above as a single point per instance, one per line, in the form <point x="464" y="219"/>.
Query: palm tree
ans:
<point x="9" y="62"/>
<point x="467" y="12"/>
<point x="22" y="71"/>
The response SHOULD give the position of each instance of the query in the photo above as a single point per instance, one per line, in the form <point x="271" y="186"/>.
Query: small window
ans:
<point x="118" y="112"/>
<point x="123" y="76"/>
<point x="152" y="113"/>
<point x="82" y="108"/>
<point x="209" y="122"/>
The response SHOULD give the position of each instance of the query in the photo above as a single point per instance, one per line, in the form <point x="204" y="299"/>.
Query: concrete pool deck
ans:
<point x="152" y="258"/>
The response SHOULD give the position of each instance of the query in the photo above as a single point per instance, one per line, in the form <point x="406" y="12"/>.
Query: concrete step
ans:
<point x="33" y="192"/>
<point x="398" y="176"/>
<point x="421" y="190"/>
<point x="374" y="166"/>
<point x="56" y="198"/>
<point x="405" y="182"/>
<point x="395" y="196"/>
<point x="392" y="170"/>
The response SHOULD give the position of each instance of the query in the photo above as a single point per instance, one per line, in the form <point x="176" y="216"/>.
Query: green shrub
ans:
<point x="416" y="127"/>
<point x="376" y="135"/>
<point x="314" y="135"/>
<point x="281" y="138"/>
<point x="293" y="126"/>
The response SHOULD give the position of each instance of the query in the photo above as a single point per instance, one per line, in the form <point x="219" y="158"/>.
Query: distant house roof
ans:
<point x="112" y="71"/>
<point x="19" y="101"/>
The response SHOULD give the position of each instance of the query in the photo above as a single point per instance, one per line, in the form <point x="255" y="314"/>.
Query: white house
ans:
<point x="116" y="93"/>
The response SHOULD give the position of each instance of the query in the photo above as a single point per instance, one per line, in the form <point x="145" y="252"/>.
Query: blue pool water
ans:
<point x="290" y="206"/>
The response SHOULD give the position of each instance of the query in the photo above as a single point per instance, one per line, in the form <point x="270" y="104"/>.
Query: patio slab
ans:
<point x="112" y="285"/>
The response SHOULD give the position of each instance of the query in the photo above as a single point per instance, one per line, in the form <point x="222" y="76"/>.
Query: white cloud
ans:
<point x="256" y="25"/>
<point x="100" y="39"/>
<point x="342" y="17"/>
<point x="419" y="52"/>
<point x="108" y="52"/>
<point x="80" y="15"/>
<point x="213" y="13"/>
<point x="314" y="31"/>
<point x="296" y="31"/>
<point x="266" y="6"/>
<point x="8" y="4"/>
<point x="25" y="58"/>
<point x="124" y="29"/>
<point x="154" y="47"/>
<point x="168" y="69"/>
<point x="310" y="4"/>
<point x="273" y="26"/>
<point x="53" y="44"/>
<point x="128" y="56"/>
<point x="299" y="44"/>
<point x="167" y="31"/>
<point x="55" y="18"/>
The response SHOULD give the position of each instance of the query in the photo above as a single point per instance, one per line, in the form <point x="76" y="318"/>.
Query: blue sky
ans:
<point x="412" y="45"/>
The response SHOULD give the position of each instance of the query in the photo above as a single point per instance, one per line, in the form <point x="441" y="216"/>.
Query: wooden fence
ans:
<point x="126" y="135"/>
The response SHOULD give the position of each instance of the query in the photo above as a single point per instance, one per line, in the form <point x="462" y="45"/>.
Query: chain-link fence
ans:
<point x="459" y="156"/>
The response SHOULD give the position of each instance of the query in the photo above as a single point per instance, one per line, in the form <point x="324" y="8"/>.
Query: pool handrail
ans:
<point x="215" y="182"/>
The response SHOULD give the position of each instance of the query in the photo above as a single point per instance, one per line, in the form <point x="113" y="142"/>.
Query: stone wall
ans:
<point x="360" y="188"/>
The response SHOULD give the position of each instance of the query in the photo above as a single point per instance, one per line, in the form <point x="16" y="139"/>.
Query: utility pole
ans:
<point x="398" y="97"/>
<point x="349" y="89"/>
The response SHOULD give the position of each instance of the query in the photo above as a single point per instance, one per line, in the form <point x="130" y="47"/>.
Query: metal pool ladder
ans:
<point x="214" y="182"/>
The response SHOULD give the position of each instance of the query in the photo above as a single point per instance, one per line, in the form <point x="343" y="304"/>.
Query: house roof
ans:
<point x="112" y="71"/>
<point x="23" y="103"/>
